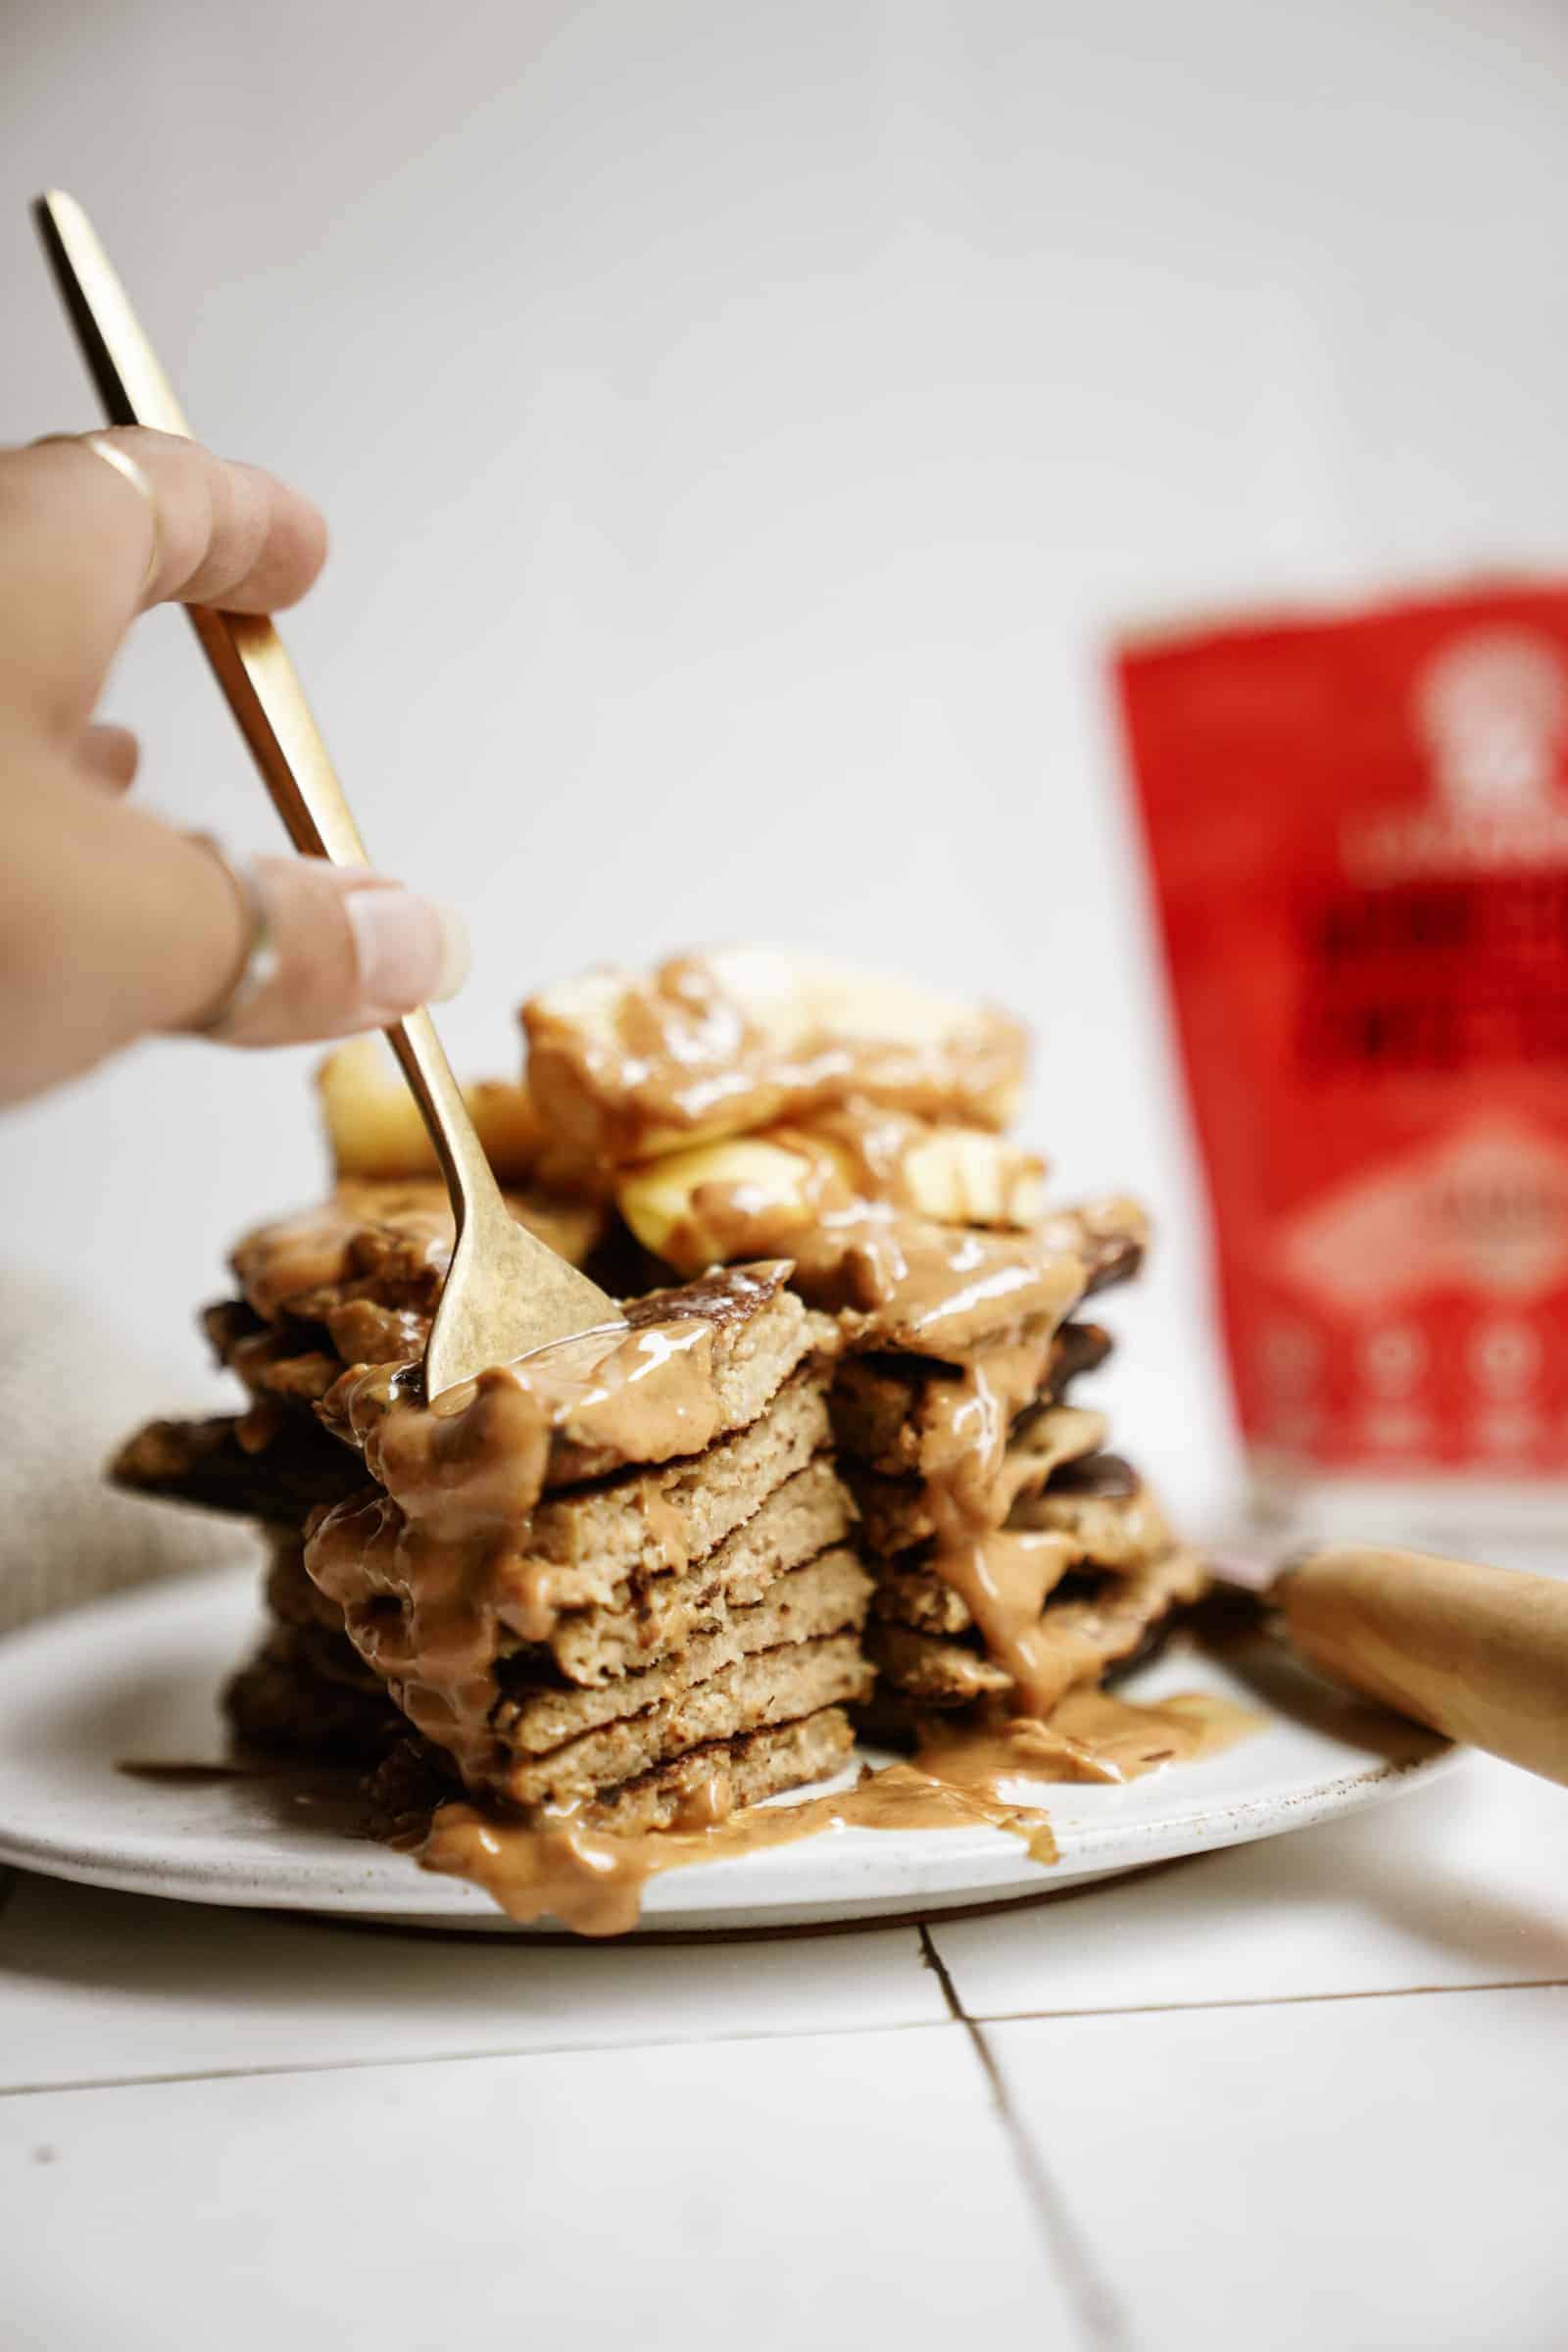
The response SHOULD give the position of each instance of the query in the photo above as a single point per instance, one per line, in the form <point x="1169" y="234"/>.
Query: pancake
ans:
<point x="707" y="1782"/>
<point x="656" y="1610"/>
<point x="887" y="1408"/>
<point x="779" y="1687"/>
<point x="696" y="1363"/>
<point x="899" y="1512"/>
<point x="557" y="1572"/>
<point x="823" y="1596"/>
<point x="719" y="1777"/>
<point x="296" y="1468"/>
<point x="385" y="1244"/>
<point x="1081" y="1633"/>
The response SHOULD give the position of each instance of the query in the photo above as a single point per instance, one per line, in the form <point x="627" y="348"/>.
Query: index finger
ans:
<point x="75" y="540"/>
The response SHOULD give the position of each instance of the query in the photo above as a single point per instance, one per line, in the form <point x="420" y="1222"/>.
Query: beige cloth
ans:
<point x="70" y="1389"/>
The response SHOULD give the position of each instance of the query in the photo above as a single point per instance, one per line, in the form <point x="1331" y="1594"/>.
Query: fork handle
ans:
<point x="1479" y="1654"/>
<point x="262" y="687"/>
<point x="253" y="668"/>
<point x="248" y="657"/>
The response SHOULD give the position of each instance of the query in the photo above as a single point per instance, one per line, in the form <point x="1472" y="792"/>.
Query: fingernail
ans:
<point x="456" y="954"/>
<point x="410" y="950"/>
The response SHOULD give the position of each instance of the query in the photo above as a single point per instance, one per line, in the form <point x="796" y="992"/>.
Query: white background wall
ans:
<point x="741" y="426"/>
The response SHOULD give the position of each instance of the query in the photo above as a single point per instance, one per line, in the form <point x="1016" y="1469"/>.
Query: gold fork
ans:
<point x="506" y="1294"/>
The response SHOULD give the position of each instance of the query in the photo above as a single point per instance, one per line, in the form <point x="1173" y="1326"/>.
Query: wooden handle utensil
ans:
<point x="1479" y="1654"/>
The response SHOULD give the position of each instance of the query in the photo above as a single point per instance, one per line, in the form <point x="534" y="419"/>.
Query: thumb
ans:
<point x="324" y="951"/>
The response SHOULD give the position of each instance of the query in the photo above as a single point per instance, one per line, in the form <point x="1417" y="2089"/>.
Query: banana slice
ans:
<point x="963" y="1176"/>
<point x="374" y="1127"/>
<point x="752" y="1196"/>
<point x="744" y="1198"/>
<point x="623" y="1068"/>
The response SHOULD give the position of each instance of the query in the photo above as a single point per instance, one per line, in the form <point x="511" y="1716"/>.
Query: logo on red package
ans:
<point x="1492" y="714"/>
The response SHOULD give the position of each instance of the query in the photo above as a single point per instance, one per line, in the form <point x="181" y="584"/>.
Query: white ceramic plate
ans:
<point x="138" y="1677"/>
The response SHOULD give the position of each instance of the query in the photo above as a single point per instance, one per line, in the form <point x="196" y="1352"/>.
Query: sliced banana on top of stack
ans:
<point x="623" y="1068"/>
<point x="750" y="1195"/>
<point x="966" y="1176"/>
<point x="733" y="1104"/>
<point x="748" y="1104"/>
<point x="731" y="1101"/>
<point x="374" y="1127"/>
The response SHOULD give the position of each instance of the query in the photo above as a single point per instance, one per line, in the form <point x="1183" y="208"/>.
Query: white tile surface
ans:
<point x="97" y="1986"/>
<point x="1465" y="1883"/>
<point x="1361" y="2176"/>
<point x="834" y="2189"/>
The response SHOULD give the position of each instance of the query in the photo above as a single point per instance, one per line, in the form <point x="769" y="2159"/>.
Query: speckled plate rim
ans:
<point x="138" y="1675"/>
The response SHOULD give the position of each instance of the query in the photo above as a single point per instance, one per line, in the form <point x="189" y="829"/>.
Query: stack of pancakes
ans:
<point x="354" y="1280"/>
<point x="748" y="1102"/>
<point x="670" y="1631"/>
<point x="1060" y="1567"/>
<point x="860" y="1446"/>
<point x="613" y="1580"/>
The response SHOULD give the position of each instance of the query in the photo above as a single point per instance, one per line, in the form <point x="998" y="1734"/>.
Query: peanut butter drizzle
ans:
<point x="721" y="1043"/>
<point x="1002" y="1576"/>
<point x="592" y="1879"/>
<point x="666" y="1530"/>
<point x="370" y="1260"/>
<point x="901" y="1279"/>
<point x="290" y="1257"/>
<point x="989" y="1303"/>
<point x="865" y="1152"/>
<point x="925" y="1286"/>
<point x="1127" y="1739"/>
<point x="934" y="1289"/>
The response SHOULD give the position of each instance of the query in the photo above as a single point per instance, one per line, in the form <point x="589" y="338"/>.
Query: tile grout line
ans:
<point x="470" y="2057"/>
<point x="1277" y="2000"/>
<point x="1097" y="2307"/>
<point x="957" y="2015"/>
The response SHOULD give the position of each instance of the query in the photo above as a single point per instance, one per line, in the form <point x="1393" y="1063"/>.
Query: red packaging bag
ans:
<point x="1357" y="829"/>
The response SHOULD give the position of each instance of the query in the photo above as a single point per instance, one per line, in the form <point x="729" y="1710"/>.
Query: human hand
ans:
<point x="113" y="924"/>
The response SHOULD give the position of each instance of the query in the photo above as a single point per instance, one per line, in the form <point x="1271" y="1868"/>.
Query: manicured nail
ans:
<point x="410" y="950"/>
<point x="456" y="954"/>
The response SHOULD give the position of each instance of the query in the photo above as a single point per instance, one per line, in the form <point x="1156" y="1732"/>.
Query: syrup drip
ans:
<point x="592" y="1879"/>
